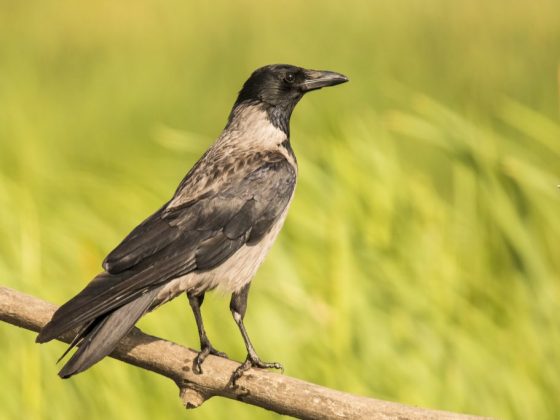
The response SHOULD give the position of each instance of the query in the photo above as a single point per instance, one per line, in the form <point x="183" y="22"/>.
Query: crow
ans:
<point x="213" y="234"/>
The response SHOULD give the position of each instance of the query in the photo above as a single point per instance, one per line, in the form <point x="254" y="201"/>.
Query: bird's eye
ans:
<point x="290" y="77"/>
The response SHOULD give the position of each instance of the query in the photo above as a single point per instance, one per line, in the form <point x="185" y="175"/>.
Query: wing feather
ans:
<point x="177" y="240"/>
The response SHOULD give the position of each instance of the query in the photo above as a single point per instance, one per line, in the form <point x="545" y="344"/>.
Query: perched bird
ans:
<point x="213" y="233"/>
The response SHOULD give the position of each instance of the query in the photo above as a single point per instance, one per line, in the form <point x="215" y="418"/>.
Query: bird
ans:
<point x="213" y="233"/>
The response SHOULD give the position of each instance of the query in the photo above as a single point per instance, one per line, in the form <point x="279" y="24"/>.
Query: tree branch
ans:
<point x="269" y="390"/>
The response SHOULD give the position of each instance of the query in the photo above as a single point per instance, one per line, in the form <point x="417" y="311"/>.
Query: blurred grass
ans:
<point x="419" y="262"/>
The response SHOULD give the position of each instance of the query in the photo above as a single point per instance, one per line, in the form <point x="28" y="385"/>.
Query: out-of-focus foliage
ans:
<point x="420" y="259"/>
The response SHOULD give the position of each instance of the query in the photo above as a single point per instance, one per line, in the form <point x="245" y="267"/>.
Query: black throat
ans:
<point x="278" y="115"/>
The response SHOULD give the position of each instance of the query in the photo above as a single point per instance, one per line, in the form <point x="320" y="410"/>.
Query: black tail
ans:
<point x="100" y="337"/>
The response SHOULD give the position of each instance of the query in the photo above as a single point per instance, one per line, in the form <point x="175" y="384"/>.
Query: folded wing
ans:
<point x="236" y="211"/>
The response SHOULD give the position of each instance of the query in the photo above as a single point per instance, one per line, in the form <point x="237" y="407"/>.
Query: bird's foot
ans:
<point x="204" y="352"/>
<point x="252" y="362"/>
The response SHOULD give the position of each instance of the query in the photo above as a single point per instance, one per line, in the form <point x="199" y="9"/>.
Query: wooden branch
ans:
<point x="269" y="390"/>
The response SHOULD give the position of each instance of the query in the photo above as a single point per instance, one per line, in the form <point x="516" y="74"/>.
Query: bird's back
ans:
<point x="235" y="156"/>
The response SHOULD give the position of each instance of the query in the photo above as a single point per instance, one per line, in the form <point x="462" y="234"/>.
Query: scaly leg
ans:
<point x="205" y="347"/>
<point x="238" y="307"/>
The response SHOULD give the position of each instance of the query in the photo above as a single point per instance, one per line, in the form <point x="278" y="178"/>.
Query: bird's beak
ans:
<point x="317" y="79"/>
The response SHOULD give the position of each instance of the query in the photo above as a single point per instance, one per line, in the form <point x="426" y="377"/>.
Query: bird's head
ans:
<point x="279" y="87"/>
<point x="279" y="84"/>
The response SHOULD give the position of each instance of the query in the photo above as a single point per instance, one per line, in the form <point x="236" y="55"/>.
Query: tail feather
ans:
<point x="85" y="330"/>
<point x="104" y="334"/>
<point x="71" y="314"/>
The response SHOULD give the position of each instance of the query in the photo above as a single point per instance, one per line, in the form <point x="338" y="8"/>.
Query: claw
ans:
<point x="200" y="357"/>
<point x="252" y="362"/>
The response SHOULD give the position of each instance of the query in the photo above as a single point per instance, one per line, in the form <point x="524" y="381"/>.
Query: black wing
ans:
<point x="175" y="241"/>
<point x="215" y="225"/>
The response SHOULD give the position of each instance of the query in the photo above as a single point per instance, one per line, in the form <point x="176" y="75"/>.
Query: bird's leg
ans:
<point x="238" y="307"/>
<point x="205" y="347"/>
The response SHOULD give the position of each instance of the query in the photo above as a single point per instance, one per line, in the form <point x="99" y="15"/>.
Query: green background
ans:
<point x="419" y="262"/>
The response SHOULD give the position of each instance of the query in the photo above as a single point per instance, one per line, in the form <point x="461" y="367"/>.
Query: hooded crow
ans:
<point x="213" y="233"/>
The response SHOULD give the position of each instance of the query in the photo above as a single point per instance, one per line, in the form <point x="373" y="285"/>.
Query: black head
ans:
<point x="277" y="84"/>
<point x="279" y="87"/>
